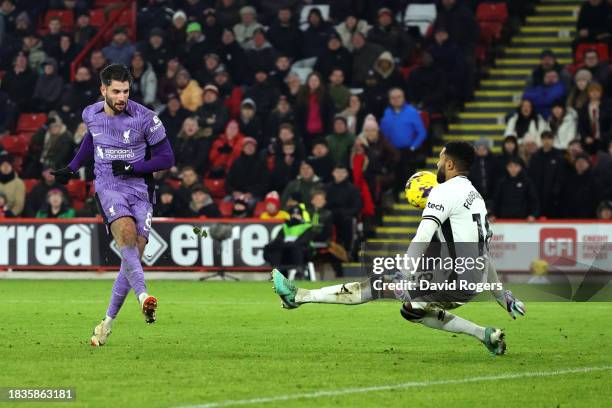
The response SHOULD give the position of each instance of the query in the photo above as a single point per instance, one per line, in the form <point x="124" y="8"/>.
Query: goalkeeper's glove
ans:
<point x="122" y="168"/>
<point x="63" y="175"/>
<point x="512" y="305"/>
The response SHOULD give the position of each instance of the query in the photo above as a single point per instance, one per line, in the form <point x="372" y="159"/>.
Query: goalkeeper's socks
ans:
<point x="130" y="260"/>
<point x="449" y="322"/>
<point x="107" y="322"/>
<point x="347" y="294"/>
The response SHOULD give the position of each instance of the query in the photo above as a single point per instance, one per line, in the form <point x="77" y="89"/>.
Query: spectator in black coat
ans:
<point x="599" y="69"/>
<point x="192" y="147"/>
<point x="510" y="149"/>
<point x="460" y="22"/>
<point x="77" y="95"/>
<point x="592" y="21"/>
<point x="166" y="205"/>
<point x="364" y="56"/>
<point x="189" y="178"/>
<point x="206" y="74"/>
<point x="344" y="201"/>
<point x="264" y="94"/>
<point x="48" y="88"/>
<point x="202" y="204"/>
<point x="234" y="57"/>
<point x="260" y="53"/>
<point x="316" y="35"/>
<point x="68" y="51"/>
<point x="581" y="193"/>
<point x="483" y="173"/>
<point x="211" y="28"/>
<point x="83" y="31"/>
<point x="8" y="114"/>
<point x="285" y="35"/>
<point x="157" y="52"/>
<point x="448" y="56"/>
<point x="228" y="13"/>
<point x="195" y="48"/>
<point x="248" y="176"/>
<point x="388" y="34"/>
<point x="334" y="56"/>
<point x="426" y="86"/>
<point x="213" y="114"/>
<point x="321" y="161"/>
<point x="37" y="198"/>
<point x="321" y="218"/>
<point x="51" y="146"/>
<point x="19" y="82"/>
<point x="602" y="171"/>
<point x="286" y="133"/>
<point x="286" y="166"/>
<point x="547" y="170"/>
<point x="249" y="122"/>
<point x="516" y="195"/>
<point x="173" y="117"/>
<point x="52" y="38"/>
<point x="278" y="75"/>
<point x="279" y="115"/>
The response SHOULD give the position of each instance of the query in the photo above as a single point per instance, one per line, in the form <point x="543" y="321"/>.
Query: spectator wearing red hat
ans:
<point x="56" y="206"/>
<point x="273" y="208"/>
<point x="248" y="175"/>
<point x="11" y="185"/>
<point x="225" y="150"/>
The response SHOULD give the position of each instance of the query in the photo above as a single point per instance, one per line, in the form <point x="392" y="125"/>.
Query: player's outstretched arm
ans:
<point x="85" y="154"/>
<point x="162" y="158"/>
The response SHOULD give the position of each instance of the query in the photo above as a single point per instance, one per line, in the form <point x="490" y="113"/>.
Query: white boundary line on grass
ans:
<point x="412" y="384"/>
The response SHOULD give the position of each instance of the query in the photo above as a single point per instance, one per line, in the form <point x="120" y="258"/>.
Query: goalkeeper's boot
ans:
<point x="512" y="305"/>
<point x="285" y="289"/>
<point x="495" y="341"/>
<point x="149" y="306"/>
<point x="100" y="335"/>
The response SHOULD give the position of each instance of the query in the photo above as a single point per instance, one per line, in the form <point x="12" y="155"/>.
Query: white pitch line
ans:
<point x="412" y="384"/>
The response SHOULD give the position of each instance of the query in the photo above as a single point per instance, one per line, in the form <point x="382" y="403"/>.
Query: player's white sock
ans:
<point x="142" y="297"/>
<point x="107" y="322"/>
<point x="449" y="322"/>
<point x="347" y="294"/>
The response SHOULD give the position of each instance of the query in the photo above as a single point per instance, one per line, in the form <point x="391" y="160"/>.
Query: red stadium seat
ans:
<point x="173" y="183"/>
<point x="15" y="145"/>
<point x="225" y="207"/>
<point x="77" y="189"/>
<point x="260" y="208"/>
<point x="497" y="12"/>
<point x="2" y="73"/>
<point x="29" y="184"/>
<point x="490" y="31"/>
<point x="216" y="187"/>
<point x="97" y="17"/>
<point x="601" y="48"/>
<point x="77" y="204"/>
<point x="67" y="17"/>
<point x="30" y="122"/>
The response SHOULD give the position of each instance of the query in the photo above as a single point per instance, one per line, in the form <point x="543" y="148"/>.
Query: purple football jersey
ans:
<point x="126" y="137"/>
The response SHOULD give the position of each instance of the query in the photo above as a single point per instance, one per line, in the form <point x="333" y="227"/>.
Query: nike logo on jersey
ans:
<point x="127" y="167"/>
<point x="95" y="134"/>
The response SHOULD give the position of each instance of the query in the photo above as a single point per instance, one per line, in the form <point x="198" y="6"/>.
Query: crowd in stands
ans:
<point x="273" y="104"/>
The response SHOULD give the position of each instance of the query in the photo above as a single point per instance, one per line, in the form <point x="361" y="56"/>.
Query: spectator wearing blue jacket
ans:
<point x="120" y="50"/>
<point x="543" y="96"/>
<point x="402" y="126"/>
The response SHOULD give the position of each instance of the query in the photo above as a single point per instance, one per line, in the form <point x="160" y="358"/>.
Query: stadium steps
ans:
<point x="551" y="27"/>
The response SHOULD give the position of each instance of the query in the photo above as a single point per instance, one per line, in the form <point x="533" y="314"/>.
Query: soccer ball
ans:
<point x="418" y="187"/>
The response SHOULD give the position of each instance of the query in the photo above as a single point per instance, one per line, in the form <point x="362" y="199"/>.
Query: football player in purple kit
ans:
<point x="128" y="143"/>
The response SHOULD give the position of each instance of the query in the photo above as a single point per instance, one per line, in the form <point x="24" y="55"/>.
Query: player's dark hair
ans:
<point x="115" y="72"/>
<point x="462" y="154"/>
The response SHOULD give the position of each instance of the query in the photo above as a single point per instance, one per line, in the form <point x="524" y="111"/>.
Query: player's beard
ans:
<point x="441" y="176"/>
<point x="113" y="106"/>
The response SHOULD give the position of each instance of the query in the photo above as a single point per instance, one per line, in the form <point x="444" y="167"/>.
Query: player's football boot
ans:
<point x="100" y="335"/>
<point x="494" y="341"/>
<point x="149" y="306"/>
<point x="512" y="305"/>
<point x="285" y="289"/>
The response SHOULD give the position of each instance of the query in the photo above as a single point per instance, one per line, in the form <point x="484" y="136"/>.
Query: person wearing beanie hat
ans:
<point x="11" y="185"/>
<point x="249" y="175"/>
<point x="273" y="208"/>
<point x="582" y="191"/>
<point x="241" y="207"/>
<point x="50" y="146"/>
<point x="248" y="24"/>
<point x="548" y="170"/>
<point x="321" y="161"/>
<point x="578" y="95"/>
<point x="250" y="122"/>
<point x="202" y="204"/>
<point x="340" y="141"/>
<point x="515" y="194"/>
<point x="213" y="114"/>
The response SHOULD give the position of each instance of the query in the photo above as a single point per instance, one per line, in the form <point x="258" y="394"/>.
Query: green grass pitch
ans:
<point x="220" y="341"/>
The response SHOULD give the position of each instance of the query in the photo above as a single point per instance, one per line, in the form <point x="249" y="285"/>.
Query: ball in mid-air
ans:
<point x="418" y="187"/>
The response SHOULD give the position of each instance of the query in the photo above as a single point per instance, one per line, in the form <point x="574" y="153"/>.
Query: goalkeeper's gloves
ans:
<point x="122" y="168"/>
<point x="63" y="175"/>
<point x="512" y="305"/>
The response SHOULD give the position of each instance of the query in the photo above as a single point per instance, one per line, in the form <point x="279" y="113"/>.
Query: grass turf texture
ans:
<point x="220" y="341"/>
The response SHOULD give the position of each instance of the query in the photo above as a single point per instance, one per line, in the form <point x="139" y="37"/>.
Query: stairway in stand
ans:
<point x="553" y="26"/>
